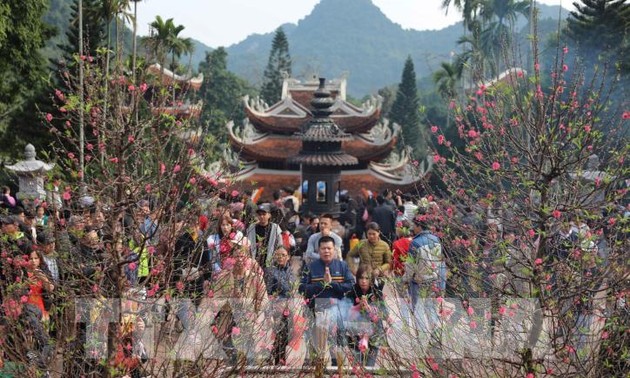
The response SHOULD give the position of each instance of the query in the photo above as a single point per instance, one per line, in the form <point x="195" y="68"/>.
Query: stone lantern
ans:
<point x="30" y="173"/>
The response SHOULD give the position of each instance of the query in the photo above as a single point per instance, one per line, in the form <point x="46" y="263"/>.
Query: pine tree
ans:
<point x="599" y="29"/>
<point x="94" y="30"/>
<point x="405" y="110"/>
<point x="279" y="63"/>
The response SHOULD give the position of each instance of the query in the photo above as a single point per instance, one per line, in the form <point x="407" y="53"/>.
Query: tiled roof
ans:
<point x="336" y="159"/>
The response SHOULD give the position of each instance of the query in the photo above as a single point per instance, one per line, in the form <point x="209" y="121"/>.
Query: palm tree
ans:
<point x="499" y="18"/>
<point x="446" y="80"/>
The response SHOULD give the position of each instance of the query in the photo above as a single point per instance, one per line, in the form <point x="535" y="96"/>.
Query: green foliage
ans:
<point x="405" y="111"/>
<point x="221" y="93"/>
<point x="22" y="66"/>
<point x="600" y="27"/>
<point x="279" y="64"/>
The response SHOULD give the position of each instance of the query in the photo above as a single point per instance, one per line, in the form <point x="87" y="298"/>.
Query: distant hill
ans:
<point x="339" y="37"/>
<point x="354" y="37"/>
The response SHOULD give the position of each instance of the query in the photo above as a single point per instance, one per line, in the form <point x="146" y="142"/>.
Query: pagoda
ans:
<point x="267" y="145"/>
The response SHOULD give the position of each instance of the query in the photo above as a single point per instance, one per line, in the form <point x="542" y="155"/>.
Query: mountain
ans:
<point x="354" y="38"/>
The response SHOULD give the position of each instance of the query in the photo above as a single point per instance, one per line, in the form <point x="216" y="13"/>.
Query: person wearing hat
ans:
<point x="264" y="236"/>
<point x="15" y="237"/>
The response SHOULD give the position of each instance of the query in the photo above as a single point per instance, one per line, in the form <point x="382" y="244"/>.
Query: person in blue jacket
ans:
<point x="324" y="285"/>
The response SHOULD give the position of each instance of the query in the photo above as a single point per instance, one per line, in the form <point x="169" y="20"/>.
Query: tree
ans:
<point x="405" y="110"/>
<point x="22" y="67"/>
<point x="525" y="180"/>
<point x="278" y="65"/>
<point x="222" y="94"/>
<point x="600" y="27"/>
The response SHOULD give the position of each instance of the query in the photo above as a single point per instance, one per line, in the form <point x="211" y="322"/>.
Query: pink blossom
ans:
<point x="143" y="87"/>
<point x="236" y="331"/>
<point x="179" y="286"/>
<point x="502" y="310"/>
<point x="151" y="250"/>
<point x="587" y="128"/>
<point x="496" y="166"/>
<point x="114" y="160"/>
<point x="565" y="68"/>
<point x="473" y="324"/>
<point x="434" y="129"/>
<point x="131" y="88"/>
<point x="363" y="344"/>
<point x="131" y="139"/>
<point x="565" y="50"/>
<point x="162" y="168"/>
<point x="472" y="133"/>
<point x="133" y="266"/>
<point x="147" y="188"/>
<point x="440" y="139"/>
<point x="210" y="294"/>
<point x="556" y="214"/>
<point x="234" y="193"/>
<point x="66" y="195"/>
<point x="95" y="288"/>
<point x="192" y="181"/>
<point x="531" y="233"/>
<point x="612" y="221"/>
<point x="537" y="66"/>
<point x="177" y="168"/>
<point x="530" y="375"/>
<point x="89" y="146"/>
<point x="49" y="117"/>
<point x="605" y="335"/>
<point x="215" y="330"/>
<point x="479" y="155"/>
<point x="416" y="374"/>
<point x="626" y="115"/>
<point x="70" y="155"/>
<point x="538" y="261"/>
<point x="470" y="310"/>
<point x="436" y="158"/>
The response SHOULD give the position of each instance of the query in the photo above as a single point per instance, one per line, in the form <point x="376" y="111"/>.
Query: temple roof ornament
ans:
<point x="169" y="77"/>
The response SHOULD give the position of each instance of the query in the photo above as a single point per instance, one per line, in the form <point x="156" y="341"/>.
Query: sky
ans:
<point x="226" y="22"/>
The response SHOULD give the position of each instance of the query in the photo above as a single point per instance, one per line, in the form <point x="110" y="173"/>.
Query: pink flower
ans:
<point x="66" y="195"/>
<point x="363" y="344"/>
<point x="473" y="324"/>
<point x="537" y="66"/>
<point x="538" y="261"/>
<point x="192" y="181"/>
<point x="236" y="331"/>
<point x="131" y="88"/>
<point x="612" y="221"/>
<point x="143" y="87"/>
<point x="114" y="160"/>
<point x="556" y="214"/>
<point x="162" y="168"/>
<point x="215" y="330"/>
<point x="234" y="193"/>
<point x="177" y="168"/>
<point x="502" y="310"/>
<point x="565" y="50"/>
<point x="434" y="129"/>
<point x="587" y="128"/>
<point x="436" y="158"/>
<point x="89" y="146"/>
<point x="565" y="68"/>
<point x="496" y="166"/>
<point x="133" y="266"/>
<point x="440" y="139"/>
<point x="179" y="286"/>
<point x="49" y="117"/>
<point x="131" y="139"/>
<point x="530" y="375"/>
<point x="147" y="188"/>
<point x="626" y="115"/>
<point x="472" y="133"/>
<point x="210" y="294"/>
<point x="531" y="233"/>
<point x="604" y="335"/>
<point x="470" y="310"/>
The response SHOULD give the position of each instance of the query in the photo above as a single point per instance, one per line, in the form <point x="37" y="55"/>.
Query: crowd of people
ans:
<point x="235" y="248"/>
